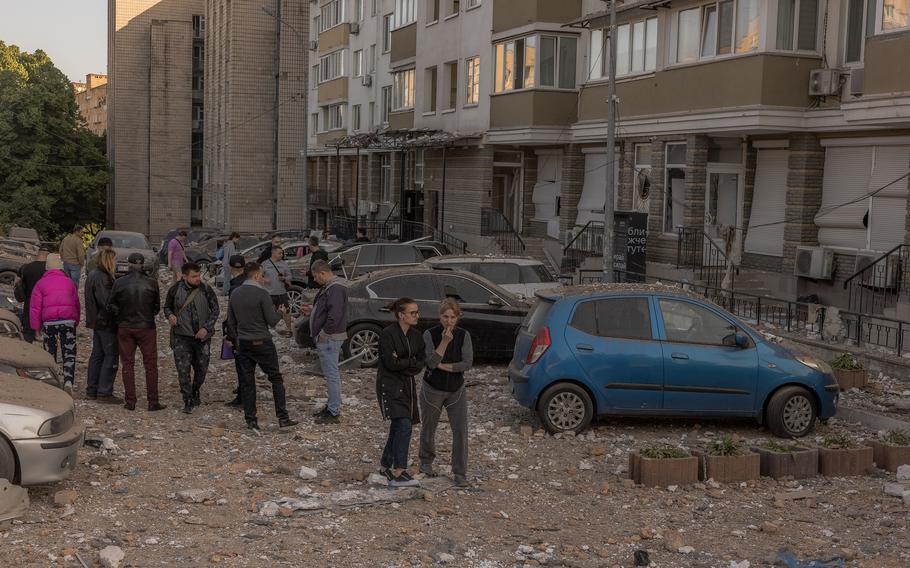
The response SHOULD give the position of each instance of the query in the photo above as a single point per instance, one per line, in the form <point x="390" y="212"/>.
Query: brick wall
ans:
<point x="573" y="179"/>
<point x="804" y="195"/>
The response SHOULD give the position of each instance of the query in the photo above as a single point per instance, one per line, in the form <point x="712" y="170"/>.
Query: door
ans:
<point x="704" y="371"/>
<point x="506" y="195"/>
<point x="411" y="215"/>
<point x="419" y="287"/>
<point x="723" y="208"/>
<point x="613" y="342"/>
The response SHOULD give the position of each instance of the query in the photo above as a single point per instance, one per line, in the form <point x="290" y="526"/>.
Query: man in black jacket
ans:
<point x="267" y="251"/>
<point x="250" y="315"/>
<point x="316" y="254"/>
<point x="135" y="301"/>
<point x="236" y="264"/>
<point x="29" y="275"/>
<point x="191" y="307"/>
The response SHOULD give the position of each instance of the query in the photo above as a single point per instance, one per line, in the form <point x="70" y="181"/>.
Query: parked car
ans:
<point x="625" y="350"/>
<point x="203" y="252"/>
<point x="194" y="234"/>
<point x="519" y="275"/>
<point x="25" y="234"/>
<point x="124" y="244"/>
<point x="28" y="360"/>
<point x="40" y="435"/>
<point x="491" y="315"/>
<point x="370" y="257"/>
<point x="10" y="324"/>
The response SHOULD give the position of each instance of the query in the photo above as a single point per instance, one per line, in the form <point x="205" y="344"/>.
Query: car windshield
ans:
<point x="535" y="274"/>
<point x="127" y="241"/>
<point x="537" y="316"/>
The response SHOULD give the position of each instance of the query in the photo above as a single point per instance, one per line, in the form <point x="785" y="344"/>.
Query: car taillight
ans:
<point x="539" y="346"/>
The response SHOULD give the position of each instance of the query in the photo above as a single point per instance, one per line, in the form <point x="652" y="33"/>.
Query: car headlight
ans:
<point x="57" y="425"/>
<point x="813" y="363"/>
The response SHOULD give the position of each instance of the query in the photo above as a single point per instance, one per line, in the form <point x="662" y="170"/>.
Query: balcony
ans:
<point x="404" y="44"/>
<point x="887" y="65"/>
<point x="334" y="90"/>
<point x="510" y="14"/>
<point x="533" y="108"/>
<point x="333" y="38"/>
<point x="401" y="120"/>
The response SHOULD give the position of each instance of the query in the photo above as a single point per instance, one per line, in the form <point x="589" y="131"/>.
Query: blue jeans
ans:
<point x="102" y="365"/>
<point x="74" y="271"/>
<point x="329" y="350"/>
<point x="395" y="454"/>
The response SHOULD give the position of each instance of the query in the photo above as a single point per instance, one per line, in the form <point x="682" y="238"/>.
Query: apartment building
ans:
<point x="91" y="100"/>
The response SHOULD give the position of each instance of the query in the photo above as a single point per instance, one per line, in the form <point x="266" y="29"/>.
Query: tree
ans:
<point x="53" y="170"/>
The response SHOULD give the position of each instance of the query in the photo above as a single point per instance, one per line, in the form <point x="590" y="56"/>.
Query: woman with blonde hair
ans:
<point x="102" y="365"/>
<point x="449" y="354"/>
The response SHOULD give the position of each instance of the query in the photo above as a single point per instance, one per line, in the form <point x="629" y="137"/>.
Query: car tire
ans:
<point x="8" y="278"/>
<point x="363" y="336"/>
<point x="565" y="407"/>
<point x="791" y="412"/>
<point x="295" y="299"/>
<point x="7" y="461"/>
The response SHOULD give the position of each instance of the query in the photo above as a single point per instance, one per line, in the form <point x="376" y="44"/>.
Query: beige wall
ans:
<point x="744" y="81"/>
<point x="334" y="90"/>
<point x="334" y="38"/>
<point x="887" y="62"/>
<point x="325" y="138"/>
<point x="534" y="108"/>
<point x="509" y="14"/>
<point x="404" y="43"/>
<point x="91" y="99"/>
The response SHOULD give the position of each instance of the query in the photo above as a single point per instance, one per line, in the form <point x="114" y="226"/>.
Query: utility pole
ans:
<point x="611" y="152"/>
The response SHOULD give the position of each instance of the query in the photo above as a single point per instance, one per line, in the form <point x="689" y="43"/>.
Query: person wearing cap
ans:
<point x="228" y="249"/>
<point x="104" y="243"/>
<point x="72" y="251"/>
<point x="54" y="313"/>
<point x="135" y="301"/>
<point x="29" y="275"/>
<point x="176" y="254"/>
<point x="236" y="264"/>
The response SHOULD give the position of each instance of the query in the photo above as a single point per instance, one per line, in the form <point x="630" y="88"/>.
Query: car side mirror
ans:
<point x="741" y="340"/>
<point x="495" y="301"/>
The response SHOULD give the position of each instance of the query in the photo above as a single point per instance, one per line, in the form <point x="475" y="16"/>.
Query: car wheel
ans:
<point x="7" y="278"/>
<point x="791" y="413"/>
<point x="295" y="299"/>
<point x="565" y="407"/>
<point x="363" y="338"/>
<point x="7" y="461"/>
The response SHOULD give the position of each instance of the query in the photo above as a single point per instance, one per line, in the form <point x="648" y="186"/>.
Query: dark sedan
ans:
<point x="490" y="314"/>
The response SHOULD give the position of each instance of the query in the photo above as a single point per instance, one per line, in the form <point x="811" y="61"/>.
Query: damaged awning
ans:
<point x="598" y="19"/>
<point x="403" y="139"/>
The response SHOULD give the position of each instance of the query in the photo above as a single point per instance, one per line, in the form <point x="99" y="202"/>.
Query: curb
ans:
<point x="871" y="420"/>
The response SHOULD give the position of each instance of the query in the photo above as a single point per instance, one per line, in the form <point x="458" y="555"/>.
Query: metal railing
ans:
<point x="494" y="224"/>
<point x="397" y="230"/>
<point x="697" y="251"/>
<point x="587" y="242"/>
<point x="880" y="285"/>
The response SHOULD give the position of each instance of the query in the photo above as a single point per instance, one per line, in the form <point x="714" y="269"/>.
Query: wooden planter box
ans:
<point x="663" y="472"/>
<point x="890" y="457"/>
<point x="798" y="464"/>
<point x="847" y="380"/>
<point x="843" y="463"/>
<point x="729" y="469"/>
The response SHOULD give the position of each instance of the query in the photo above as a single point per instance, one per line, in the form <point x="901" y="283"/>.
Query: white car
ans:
<point x="40" y="435"/>
<point x="520" y="275"/>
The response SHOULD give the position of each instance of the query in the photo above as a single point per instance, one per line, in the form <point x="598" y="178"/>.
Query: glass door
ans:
<point x="723" y="206"/>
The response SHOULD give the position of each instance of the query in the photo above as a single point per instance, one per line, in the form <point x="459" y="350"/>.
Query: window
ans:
<point x="314" y="119"/>
<point x="452" y="7"/>
<point x="357" y="64"/>
<point x="415" y="287"/>
<point x="385" y="181"/>
<point x="400" y="254"/>
<point x="748" y="24"/>
<point x="317" y="25"/>
<point x="797" y="25"/>
<point x="472" y="81"/>
<point x="686" y="322"/>
<point x="471" y="4"/>
<point x="597" y="56"/>
<point x="675" y="187"/>
<point x="333" y="117"/>
<point x="315" y="74"/>
<point x="331" y="66"/>
<point x="718" y="28"/>
<point x="498" y="273"/>
<point x="403" y="90"/>
<point x="429" y="103"/>
<point x="636" y="49"/>
<point x="373" y="7"/>
<point x="535" y="61"/>
<point x="464" y="290"/>
<point x="386" y="103"/>
<point x="622" y="318"/>
<point x="642" y="178"/>
<point x="331" y="15"/>
<point x="387" y="33"/>
<point x="372" y="115"/>
<point x="432" y="11"/>
<point x="358" y="10"/>
<point x="535" y="274"/>
<point x="895" y="15"/>
<point x="419" y="158"/>
<point x="355" y="117"/>
<point x="451" y="70"/>
<point x="373" y="58"/>
<point x="405" y="13"/>
<point x="860" y="25"/>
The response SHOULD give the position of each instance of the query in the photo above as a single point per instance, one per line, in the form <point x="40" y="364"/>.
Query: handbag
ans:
<point x="189" y="300"/>
<point x="227" y="349"/>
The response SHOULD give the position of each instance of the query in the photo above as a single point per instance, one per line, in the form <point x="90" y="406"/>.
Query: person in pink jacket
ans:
<point x="54" y="314"/>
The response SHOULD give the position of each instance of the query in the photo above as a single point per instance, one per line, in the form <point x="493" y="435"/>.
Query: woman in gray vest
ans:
<point x="450" y="354"/>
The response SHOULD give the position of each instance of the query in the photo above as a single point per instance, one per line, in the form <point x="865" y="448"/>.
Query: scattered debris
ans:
<point x="13" y="500"/>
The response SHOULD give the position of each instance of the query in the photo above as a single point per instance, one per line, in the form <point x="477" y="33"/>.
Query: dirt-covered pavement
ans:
<point x="170" y="489"/>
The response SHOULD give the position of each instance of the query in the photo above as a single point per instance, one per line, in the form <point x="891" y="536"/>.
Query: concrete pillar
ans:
<point x="696" y="177"/>
<point x="529" y="169"/>
<point x="804" y="195"/>
<point x="658" y="173"/>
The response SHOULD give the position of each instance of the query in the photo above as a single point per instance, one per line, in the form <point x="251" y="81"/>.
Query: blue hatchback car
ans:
<point x="659" y="351"/>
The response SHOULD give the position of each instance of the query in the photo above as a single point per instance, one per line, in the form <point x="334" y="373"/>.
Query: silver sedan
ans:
<point x="40" y="435"/>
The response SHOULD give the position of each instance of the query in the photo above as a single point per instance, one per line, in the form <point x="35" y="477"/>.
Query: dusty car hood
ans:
<point x="18" y="393"/>
<point x="21" y="354"/>
<point x="10" y="316"/>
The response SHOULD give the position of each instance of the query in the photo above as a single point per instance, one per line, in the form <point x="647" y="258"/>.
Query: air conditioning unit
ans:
<point x="367" y="81"/>
<point x="857" y="81"/>
<point x="882" y="275"/>
<point x="314" y="45"/>
<point x="374" y="207"/>
<point x="824" y="82"/>
<point x="814" y="262"/>
<point x="355" y="28"/>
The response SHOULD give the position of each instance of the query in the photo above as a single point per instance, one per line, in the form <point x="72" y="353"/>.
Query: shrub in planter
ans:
<point x="787" y="460"/>
<point x="892" y="451"/>
<point x="849" y="372"/>
<point x="726" y="461"/>
<point x="660" y="466"/>
<point x="839" y="456"/>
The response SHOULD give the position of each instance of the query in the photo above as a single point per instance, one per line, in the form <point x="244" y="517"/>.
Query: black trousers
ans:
<point x="249" y="354"/>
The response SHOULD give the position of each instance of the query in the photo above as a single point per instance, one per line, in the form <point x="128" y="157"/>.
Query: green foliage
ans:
<point x="837" y="442"/>
<point x="897" y="437"/>
<point x="725" y="447"/>
<point x="53" y="171"/>
<point x="663" y="452"/>
<point x="847" y="362"/>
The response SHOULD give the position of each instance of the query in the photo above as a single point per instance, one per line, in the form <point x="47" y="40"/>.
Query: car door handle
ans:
<point x="584" y="347"/>
<point x="682" y="356"/>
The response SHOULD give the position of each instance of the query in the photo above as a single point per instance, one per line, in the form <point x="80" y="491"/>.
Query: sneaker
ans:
<point x="188" y="408"/>
<point x="387" y="473"/>
<point x="68" y="387"/>
<point x="286" y="423"/>
<point x="427" y="470"/>
<point x="156" y="407"/>
<point x="109" y="399"/>
<point x="91" y="396"/>
<point x="326" y="417"/>
<point x="236" y="403"/>
<point x="130" y="406"/>
<point x="404" y="479"/>
<point x="254" y="426"/>
<point x="462" y="481"/>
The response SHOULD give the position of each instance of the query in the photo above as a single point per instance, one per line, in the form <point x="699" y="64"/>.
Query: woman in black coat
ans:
<point x="401" y="358"/>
